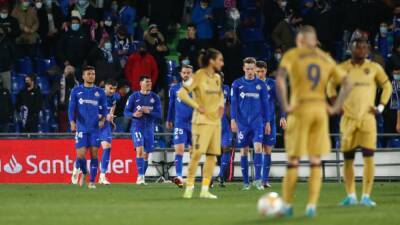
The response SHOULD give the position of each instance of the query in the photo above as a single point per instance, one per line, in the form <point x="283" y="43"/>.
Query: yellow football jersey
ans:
<point x="207" y="92"/>
<point x="309" y="71"/>
<point x="365" y="78"/>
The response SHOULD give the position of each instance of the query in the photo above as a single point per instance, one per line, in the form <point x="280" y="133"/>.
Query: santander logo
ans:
<point x="13" y="166"/>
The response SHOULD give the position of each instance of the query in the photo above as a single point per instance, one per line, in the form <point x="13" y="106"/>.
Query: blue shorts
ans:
<point x="226" y="137"/>
<point x="182" y="135"/>
<point x="270" y="140"/>
<point x="87" y="140"/>
<point x="248" y="135"/>
<point x="106" y="134"/>
<point x="143" y="138"/>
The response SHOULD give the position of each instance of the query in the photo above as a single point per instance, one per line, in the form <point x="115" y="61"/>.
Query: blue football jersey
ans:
<point x="226" y="90"/>
<point x="249" y="102"/>
<point x="85" y="106"/>
<point x="178" y="112"/>
<point x="111" y="102"/>
<point x="272" y="99"/>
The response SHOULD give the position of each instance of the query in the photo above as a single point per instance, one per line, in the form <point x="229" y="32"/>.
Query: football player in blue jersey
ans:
<point x="249" y="112"/>
<point x="144" y="108"/>
<point x="269" y="140"/>
<point x="106" y="132"/>
<point x="179" y="117"/>
<point x="87" y="111"/>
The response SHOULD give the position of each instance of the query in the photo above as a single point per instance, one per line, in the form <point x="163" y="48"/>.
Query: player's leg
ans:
<point x="267" y="150"/>
<point x="94" y="165"/>
<point x="137" y="138"/>
<point x="243" y="143"/>
<point x="81" y="144"/>
<point x="76" y="171"/>
<point x="180" y="138"/>
<point x="289" y="184"/>
<point x="226" y="142"/>
<point x="258" y="165"/>
<point x="314" y="184"/>
<point x="368" y="177"/>
<point x="105" y="160"/>
<point x="148" y="144"/>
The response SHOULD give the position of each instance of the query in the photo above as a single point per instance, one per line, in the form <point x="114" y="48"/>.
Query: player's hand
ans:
<point x="114" y="126"/>
<point x="267" y="129"/>
<point x="377" y="110"/>
<point x="145" y="110"/>
<point x="289" y="108"/>
<point x="169" y="125"/>
<point x="398" y="127"/>
<point x="234" y="126"/>
<point x="101" y="123"/>
<point x="221" y="111"/>
<point x="332" y="110"/>
<point x="109" y="117"/>
<point x="73" y="126"/>
<point x="282" y="123"/>
<point x="201" y="110"/>
<point x="138" y="114"/>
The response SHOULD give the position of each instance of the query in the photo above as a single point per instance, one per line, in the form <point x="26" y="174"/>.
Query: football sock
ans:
<point x="208" y="170"/>
<point x="94" y="165"/>
<point x="368" y="175"/>
<point x="349" y="181"/>
<point x="140" y="166"/>
<point x="194" y="161"/>
<point x="146" y="165"/>
<point x="289" y="184"/>
<point x="314" y="184"/>
<point x="257" y="165"/>
<point x="224" y="163"/>
<point x="244" y="163"/>
<point x="178" y="165"/>
<point x="82" y="164"/>
<point x="266" y="167"/>
<point x="77" y="163"/>
<point x="105" y="160"/>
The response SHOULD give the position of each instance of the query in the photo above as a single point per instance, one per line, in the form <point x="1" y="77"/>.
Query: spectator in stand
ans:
<point x="190" y="46"/>
<point x="391" y="112"/>
<point x="396" y="22"/>
<point x="122" y="94"/>
<point x="29" y="24"/>
<point x="232" y="51"/>
<point x="86" y="10"/>
<point x="64" y="87"/>
<point x="309" y="12"/>
<point x="157" y="47"/>
<point x="203" y="19"/>
<point x="394" y="61"/>
<point x="74" y="45"/>
<point x="274" y="12"/>
<point x="6" y="109"/>
<point x="113" y="10"/>
<point x="139" y="64"/>
<point x="284" y="33"/>
<point x="106" y="27"/>
<point x="105" y="61"/>
<point x="51" y="20"/>
<point x="29" y="104"/>
<point x="127" y="16"/>
<point x="122" y="45"/>
<point x="384" y="41"/>
<point x="8" y="24"/>
<point x="7" y="59"/>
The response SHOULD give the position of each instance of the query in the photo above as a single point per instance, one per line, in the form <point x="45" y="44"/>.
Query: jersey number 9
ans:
<point x="314" y="75"/>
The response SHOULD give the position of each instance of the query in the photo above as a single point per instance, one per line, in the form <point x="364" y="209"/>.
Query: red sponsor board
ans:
<point x="51" y="161"/>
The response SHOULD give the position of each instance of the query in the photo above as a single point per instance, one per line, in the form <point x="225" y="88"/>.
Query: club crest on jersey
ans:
<point x="152" y="100"/>
<point x="268" y="87"/>
<point x="366" y="71"/>
<point x="97" y="94"/>
<point x="258" y="87"/>
<point x="242" y="94"/>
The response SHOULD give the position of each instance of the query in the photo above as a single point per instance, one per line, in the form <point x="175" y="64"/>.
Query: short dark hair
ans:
<point x="144" y="77"/>
<point x="357" y="41"/>
<point x="87" y="68"/>
<point x="184" y="66"/>
<point x="32" y="76"/>
<point x="249" y="60"/>
<point x="111" y="82"/>
<point x="191" y="25"/>
<point x="206" y="55"/>
<point x="261" y="64"/>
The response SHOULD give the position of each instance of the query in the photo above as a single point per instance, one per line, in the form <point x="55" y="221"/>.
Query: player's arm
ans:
<point x="398" y="121"/>
<point x="156" y="112"/>
<point x="387" y="89"/>
<point x="340" y="77"/>
<point x="171" y="108"/>
<point x="221" y="100"/>
<point x="282" y="120"/>
<point x="281" y="89"/>
<point x="72" y="109"/>
<point x="129" y="110"/>
<point x="103" y="110"/>
<point x="234" y="107"/>
<point x="183" y="93"/>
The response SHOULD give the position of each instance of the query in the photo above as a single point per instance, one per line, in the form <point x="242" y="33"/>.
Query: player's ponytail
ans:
<point x="206" y="55"/>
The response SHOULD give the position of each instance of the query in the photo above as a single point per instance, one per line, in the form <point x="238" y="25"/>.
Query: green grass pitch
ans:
<point x="161" y="204"/>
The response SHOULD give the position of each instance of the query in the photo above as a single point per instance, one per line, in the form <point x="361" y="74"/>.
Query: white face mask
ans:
<point x="39" y="5"/>
<point x="108" y="23"/>
<point x="396" y="76"/>
<point x="3" y="15"/>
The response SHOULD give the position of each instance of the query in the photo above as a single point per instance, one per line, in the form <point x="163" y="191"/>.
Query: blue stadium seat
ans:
<point x="24" y="65"/>
<point x="44" y="84"/>
<point x="393" y="143"/>
<point x="249" y="35"/>
<point x="259" y="50"/>
<point x="245" y="4"/>
<point x="17" y="83"/>
<point x="42" y="65"/>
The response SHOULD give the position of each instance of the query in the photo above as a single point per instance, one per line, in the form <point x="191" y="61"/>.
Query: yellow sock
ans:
<point x="289" y="183"/>
<point x="314" y="184"/>
<point x="368" y="176"/>
<point x="349" y="181"/>
<point x="194" y="162"/>
<point x="208" y="169"/>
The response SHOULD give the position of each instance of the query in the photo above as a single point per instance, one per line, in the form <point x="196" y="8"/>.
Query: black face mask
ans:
<point x="27" y="85"/>
<point x="142" y="53"/>
<point x="229" y="40"/>
<point x="154" y="34"/>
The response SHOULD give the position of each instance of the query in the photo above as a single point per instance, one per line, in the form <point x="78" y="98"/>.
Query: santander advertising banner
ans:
<point x="51" y="161"/>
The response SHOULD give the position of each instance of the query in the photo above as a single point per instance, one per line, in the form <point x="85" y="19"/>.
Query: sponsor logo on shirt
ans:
<point x="88" y="101"/>
<point x="249" y="95"/>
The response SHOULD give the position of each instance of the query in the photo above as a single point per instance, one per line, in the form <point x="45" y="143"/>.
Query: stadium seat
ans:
<point x="249" y="35"/>
<point x="17" y="83"/>
<point x="259" y="50"/>
<point x="393" y="143"/>
<point x="246" y="4"/>
<point x="24" y="65"/>
<point x="43" y="65"/>
<point x="44" y="84"/>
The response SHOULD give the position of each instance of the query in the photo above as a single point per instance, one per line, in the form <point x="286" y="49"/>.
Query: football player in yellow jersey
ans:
<point x="307" y="133"/>
<point x="358" y="123"/>
<point x="208" y="104"/>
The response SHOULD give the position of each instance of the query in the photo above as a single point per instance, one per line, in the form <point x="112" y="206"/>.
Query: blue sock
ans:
<point x="244" y="163"/>
<point x="146" y="164"/>
<point x="140" y="166"/>
<point x="76" y="165"/>
<point x="94" y="166"/>
<point x="224" y="163"/>
<point x="257" y="165"/>
<point x="105" y="160"/>
<point x="266" y="167"/>
<point x="178" y="165"/>
<point x="82" y="164"/>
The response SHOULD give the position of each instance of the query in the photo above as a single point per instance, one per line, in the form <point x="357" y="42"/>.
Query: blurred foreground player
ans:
<point x="358" y="123"/>
<point x="308" y="69"/>
<point x="87" y="112"/>
<point x="208" y="104"/>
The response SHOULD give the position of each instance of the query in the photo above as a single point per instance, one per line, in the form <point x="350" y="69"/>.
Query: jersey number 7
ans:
<point x="314" y="75"/>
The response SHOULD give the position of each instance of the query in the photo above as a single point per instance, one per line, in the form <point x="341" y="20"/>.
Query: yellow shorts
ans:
<point x="307" y="132"/>
<point x="358" y="133"/>
<point x="206" y="138"/>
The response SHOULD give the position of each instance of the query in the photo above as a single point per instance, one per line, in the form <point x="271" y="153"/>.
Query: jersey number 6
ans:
<point x="314" y="74"/>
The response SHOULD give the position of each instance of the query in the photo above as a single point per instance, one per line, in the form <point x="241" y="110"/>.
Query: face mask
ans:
<point x="186" y="62"/>
<point x="49" y="3"/>
<point x="75" y="26"/>
<point x="396" y="76"/>
<point x="278" y="56"/>
<point x="230" y="40"/>
<point x="108" y="23"/>
<point x="283" y="4"/>
<point x="127" y="90"/>
<point x="383" y="30"/>
<point x="154" y="34"/>
<point x="3" y="15"/>
<point x="25" y="5"/>
<point x="107" y="46"/>
<point x="114" y="7"/>
<point x="39" y="5"/>
<point x="27" y="85"/>
<point x="82" y="2"/>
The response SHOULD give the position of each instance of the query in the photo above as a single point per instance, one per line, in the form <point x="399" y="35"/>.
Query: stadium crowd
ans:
<point x="45" y="43"/>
